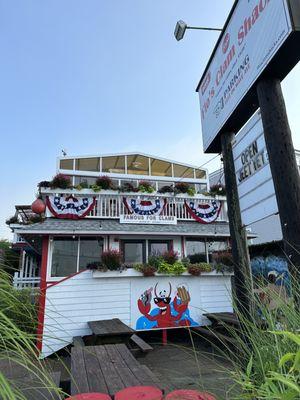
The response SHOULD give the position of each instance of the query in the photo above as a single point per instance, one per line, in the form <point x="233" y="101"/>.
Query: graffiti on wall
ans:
<point x="160" y="309"/>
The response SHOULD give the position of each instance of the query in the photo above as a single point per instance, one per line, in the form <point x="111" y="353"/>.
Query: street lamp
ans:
<point x="181" y="27"/>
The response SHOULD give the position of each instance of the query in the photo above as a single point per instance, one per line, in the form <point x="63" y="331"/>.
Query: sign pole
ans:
<point x="283" y="167"/>
<point x="242" y="271"/>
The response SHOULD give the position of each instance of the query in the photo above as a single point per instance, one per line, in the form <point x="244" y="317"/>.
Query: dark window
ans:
<point x="72" y="255"/>
<point x="159" y="246"/>
<point x="64" y="256"/>
<point x="134" y="251"/>
<point x="195" y="247"/>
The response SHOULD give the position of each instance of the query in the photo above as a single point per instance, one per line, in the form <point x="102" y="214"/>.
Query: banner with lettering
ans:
<point x="145" y="206"/>
<point x="204" y="213"/>
<point x="70" y="207"/>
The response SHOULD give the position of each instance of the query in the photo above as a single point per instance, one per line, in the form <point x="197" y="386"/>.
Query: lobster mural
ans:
<point x="165" y="318"/>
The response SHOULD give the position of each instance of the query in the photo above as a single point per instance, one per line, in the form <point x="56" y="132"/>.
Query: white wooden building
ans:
<point x="136" y="223"/>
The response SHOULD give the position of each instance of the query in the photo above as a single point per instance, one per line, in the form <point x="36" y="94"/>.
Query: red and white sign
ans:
<point x="255" y="32"/>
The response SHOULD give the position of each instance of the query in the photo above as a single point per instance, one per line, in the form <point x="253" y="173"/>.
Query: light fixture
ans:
<point x="181" y="27"/>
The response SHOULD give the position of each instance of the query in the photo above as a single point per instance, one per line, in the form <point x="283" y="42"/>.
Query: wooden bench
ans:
<point x="216" y="336"/>
<point x="141" y="344"/>
<point x="107" y="369"/>
<point x="225" y="318"/>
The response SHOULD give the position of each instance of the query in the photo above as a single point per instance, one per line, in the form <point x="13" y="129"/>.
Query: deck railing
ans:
<point x="112" y="206"/>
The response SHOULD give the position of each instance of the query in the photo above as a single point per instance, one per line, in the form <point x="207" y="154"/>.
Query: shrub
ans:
<point x="104" y="182"/>
<point x="171" y="269"/>
<point x="61" y="181"/>
<point x="112" y="259"/>
<point x="170" y="256"/>
<point x="197" y="258"/>
<point x="181" y="187"/>
<point x="145" y="269"/>
<point x="155" y="260"/>
<point x="145" y="186"/>
<point x="44" y="184"/>
<point x="223" y="257"/>
<point x="166" y="189"/>
<point x="217" y="190"/>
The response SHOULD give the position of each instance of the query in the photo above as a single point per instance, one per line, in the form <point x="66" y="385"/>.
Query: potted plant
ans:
<point x="44" y="184"/>
<point x="177" y="268"/>
<point x="127" y="187"/>
<point x="181" y="187"/>
<point x="105" y="182"/>
<point x="217" y="190"/>
<point x="61" y="181"/>
<point x="112" y="259"/>
<point x="145" y="269"/>
<point x="166" y="189"/>
<point x="196" y="269"/>
<point x="170" y="256"/>
<point x="145" y="187"/>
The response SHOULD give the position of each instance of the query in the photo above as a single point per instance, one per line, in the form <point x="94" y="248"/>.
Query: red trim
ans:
<point x="50" y="284"/>
<point x="182" y="247"/>
<point x="198" y="219"/>
<point x="69" y="216"/>
<point x="42" y="296"/>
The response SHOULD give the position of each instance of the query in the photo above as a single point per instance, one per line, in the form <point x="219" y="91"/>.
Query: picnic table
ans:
<point x="107" y="369"/>
<point x="110" y="327"/>
<point x="228" y="318"/>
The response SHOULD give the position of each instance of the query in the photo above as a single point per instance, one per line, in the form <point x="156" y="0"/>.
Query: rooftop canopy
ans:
<point x="131" y="164"/>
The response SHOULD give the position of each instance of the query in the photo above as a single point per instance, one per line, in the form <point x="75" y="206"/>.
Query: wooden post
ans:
<point x="242" y="272"/>
<point x="283" y="166"/>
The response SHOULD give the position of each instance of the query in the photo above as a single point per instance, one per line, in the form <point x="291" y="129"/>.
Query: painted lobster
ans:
<point x="165" y="319"/>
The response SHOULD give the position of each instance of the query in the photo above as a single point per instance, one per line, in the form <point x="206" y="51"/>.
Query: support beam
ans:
<point x="283" y="166"/>
<point x="242" y="272"/>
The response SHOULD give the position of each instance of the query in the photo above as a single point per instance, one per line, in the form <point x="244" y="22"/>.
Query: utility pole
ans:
<point x="283" y="166"/>
<point x="241" y="261"/>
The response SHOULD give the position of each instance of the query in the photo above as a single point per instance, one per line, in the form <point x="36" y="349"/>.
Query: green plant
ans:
<point x="197" y="258"/>
<point x="170" y="256"/>
<point x="196" y="269"/>
<point x="112" y="259"/>
<point x="61" y="181"/>
<point x="155" y="260"/>
<point x="145" y="269"/>
<point x="84" y="185"/>
<point x="105" y="182"/>
<point x="185" y="261"/>
<point x="223" y="257"/>
<point x="78" y="187"/>
<point x="191" y="191"/>
<point x="146" y="187"/>
<point x="44" y="184"/>
<point x="96" y="188"/>
<point x="217" y="190"/>
<point x="171" y="269"/>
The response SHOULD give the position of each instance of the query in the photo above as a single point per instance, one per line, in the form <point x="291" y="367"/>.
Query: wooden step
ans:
<point x="142" y="345"/>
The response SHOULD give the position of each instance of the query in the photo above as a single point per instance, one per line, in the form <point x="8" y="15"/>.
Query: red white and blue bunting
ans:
<point x="205" y="213"/>
<point x="70" y="207"/>
<point x="144" y="206"/>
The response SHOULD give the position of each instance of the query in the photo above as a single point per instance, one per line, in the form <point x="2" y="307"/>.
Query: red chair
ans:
<point x="186" y="394"/>
<point x="90" y="396"/>
<point x="139" y="393"/>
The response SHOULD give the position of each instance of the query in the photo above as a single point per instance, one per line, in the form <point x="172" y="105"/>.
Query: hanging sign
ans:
<point x="148" y="219"/>
<point x="205" y="213"/>
<point x="254" y="33"/>
<point x="70" y="207"/>
<point x="253" y="175"/>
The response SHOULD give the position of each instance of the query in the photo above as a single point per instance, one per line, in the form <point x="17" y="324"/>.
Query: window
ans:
<point x="72" y="255"/>
<point x="87" y="180"/>
<point x="137" y="165"/>
<point x="88" y="164"/>
<point x="182" y="171"/>
<point x="195" y="247"/>
<point x="157" y="247"/>
<point x="201" y="187"/>
<point x="113" y="164"/>
<point x="66" y="164"/>
<point x="134" y="251"/>
<point x="200" y="174"/>
<point x="160" y="167"/>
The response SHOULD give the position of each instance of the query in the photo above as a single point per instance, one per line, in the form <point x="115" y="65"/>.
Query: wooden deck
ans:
<point x="107" y="369"/>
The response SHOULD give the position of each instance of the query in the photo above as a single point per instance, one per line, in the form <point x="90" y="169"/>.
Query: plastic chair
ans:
<point x="139" y="393"/>
<point x="90" y="396"/>
<point x="186" y="394"/>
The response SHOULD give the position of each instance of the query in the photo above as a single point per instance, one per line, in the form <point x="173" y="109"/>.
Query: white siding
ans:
<point x="72" y="303"/>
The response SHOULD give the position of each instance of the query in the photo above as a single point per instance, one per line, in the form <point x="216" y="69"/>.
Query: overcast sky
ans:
<point x="99" y="76"/>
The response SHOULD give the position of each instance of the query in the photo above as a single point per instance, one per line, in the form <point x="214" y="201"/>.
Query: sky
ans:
<point x="99" y="76"/>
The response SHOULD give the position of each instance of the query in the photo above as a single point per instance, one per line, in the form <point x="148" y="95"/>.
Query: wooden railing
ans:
<point x="112" y="206"/>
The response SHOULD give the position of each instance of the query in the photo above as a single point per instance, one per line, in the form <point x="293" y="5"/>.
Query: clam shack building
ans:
<point x="131" y="208"/>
